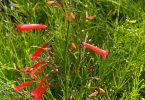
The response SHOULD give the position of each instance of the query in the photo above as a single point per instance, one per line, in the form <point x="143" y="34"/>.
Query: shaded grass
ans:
<point x="119" y="27"/>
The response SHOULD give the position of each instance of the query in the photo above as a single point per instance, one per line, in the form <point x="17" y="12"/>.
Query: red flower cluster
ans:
<point x="38" y="92"/>
<point x="29" y="69"/>
<point x="34" y="70"/>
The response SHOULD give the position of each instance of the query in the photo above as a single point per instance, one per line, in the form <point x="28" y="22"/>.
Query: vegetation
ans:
<point x="75" y="73"/>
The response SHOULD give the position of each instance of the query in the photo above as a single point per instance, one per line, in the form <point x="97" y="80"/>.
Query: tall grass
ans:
<point x="119" y="27"/>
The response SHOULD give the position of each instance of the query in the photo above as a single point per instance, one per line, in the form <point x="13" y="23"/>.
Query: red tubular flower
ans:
<point x="98" y="78"/>
<point x="21" y="86"/>
<point x="38" y="97"/>
<point x="91" y="17"/>
<point x="29" y="69"/>
<point x="22" y="71"/>
<point x="73" y="45"/>
<point x="36" y="91"/>
<point x="34" y="74"/>
<point x="71" y="16"/>
<point x="24" y="27"/>
<point x="50" y="2"/>
<point x="37" y="53"/>
<point x="40" y="70"/>
<point x="102" y="90"/>
<point x="93" y="94"/>
<point x="103" y="53"/>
